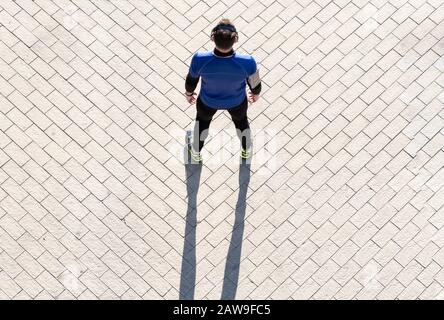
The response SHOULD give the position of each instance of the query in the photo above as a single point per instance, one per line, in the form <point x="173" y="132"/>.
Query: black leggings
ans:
<point x="205" y="115"/>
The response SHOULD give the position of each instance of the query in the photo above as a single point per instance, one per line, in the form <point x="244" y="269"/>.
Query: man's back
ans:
<point x="223" y="76"/>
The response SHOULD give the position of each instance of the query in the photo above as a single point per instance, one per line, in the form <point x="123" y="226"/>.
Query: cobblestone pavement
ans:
<point x="346" y="190"/>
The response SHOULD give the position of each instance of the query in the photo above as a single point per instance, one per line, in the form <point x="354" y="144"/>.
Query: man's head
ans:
<point x="224" y="35"/>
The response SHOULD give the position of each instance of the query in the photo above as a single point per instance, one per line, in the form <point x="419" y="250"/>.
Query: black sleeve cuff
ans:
<point x="257" y="89"/>
<point x="191" y="83"/>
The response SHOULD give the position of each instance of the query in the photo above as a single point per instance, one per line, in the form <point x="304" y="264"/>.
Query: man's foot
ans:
<point x="195" y="156"/>
<point x="245" y="153"/>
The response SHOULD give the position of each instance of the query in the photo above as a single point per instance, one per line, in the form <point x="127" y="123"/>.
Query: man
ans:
<point x="224" y="74"/>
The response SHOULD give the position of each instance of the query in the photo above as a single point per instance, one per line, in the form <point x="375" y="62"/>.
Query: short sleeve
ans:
<point x="253" y="74"/>
<point x="194" y="68"/>
<point x="253" y="67"/>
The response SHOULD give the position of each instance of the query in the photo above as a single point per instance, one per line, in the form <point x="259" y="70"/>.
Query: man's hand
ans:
<point x="190" y="97"/>
<point x="252" y="98"/>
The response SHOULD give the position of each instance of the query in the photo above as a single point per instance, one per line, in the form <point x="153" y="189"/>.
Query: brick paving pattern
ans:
<point x="345" y="195"/>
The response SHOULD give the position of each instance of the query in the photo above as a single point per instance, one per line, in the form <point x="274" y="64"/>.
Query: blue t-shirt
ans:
<point x="223" y="78"/>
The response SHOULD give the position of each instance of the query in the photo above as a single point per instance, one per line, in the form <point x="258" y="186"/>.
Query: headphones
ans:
<point x="228" y="27"/>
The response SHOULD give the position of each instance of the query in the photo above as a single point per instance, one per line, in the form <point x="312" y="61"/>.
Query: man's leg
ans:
<point x="240" y="119"/>
<point x="203" y="119"/>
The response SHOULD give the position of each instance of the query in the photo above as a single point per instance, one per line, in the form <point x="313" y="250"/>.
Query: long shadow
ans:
<point x="231" y="276"/>
<point x="188" y="270"/>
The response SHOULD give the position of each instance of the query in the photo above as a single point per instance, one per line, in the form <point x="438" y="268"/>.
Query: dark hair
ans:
<point x="224" y="34"/>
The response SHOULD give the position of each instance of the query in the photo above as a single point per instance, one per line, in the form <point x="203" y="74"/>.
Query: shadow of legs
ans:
<point x="188" y="270"/>
<point x="232" y="264"/>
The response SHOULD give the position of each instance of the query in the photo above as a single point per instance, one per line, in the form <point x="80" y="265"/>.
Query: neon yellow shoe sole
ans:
<point x="245" y="154"/>
<point x="195" y="156"/>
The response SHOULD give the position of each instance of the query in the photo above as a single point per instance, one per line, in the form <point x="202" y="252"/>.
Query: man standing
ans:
<point x="224" y="74"/>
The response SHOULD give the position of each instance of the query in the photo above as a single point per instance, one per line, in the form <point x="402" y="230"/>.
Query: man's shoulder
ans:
<point x="244" y="56"/>
<point x="203" y="54"/>
<point x="209" y="54"/>
<point x="247" y="61"/>
<point x="200" y="58"/>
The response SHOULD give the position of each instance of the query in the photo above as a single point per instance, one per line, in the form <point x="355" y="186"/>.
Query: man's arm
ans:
<point x="193" y="75"/>
<point x="254" y="80"/>
<point x="254" y="83"/>
<point x="192" y="80"/>
<point x="191" y="83"/>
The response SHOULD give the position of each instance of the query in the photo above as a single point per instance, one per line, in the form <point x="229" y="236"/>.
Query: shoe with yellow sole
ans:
<point x="194" y="156"/>
<point x="246" y="155"/>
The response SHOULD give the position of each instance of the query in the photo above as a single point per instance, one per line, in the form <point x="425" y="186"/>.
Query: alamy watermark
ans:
<point x="224" y="146"/>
